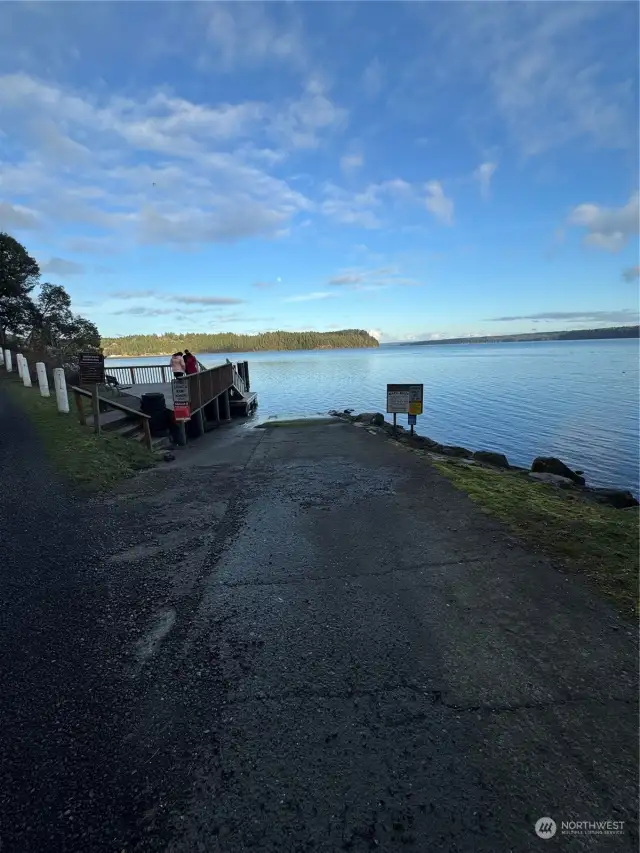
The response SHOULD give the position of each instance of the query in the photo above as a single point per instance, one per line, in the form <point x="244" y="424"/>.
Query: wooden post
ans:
<point x="197" y="424"/>
<point x="395" y="418"/>
<point x="133" y="376"/>
<point x="80" y="408"/>
<point x="95" y="403"/>
<point x="147" y="433"/>
<point x="225" y="408"/>
<point x="246" y="375"/>
<point x="180" y="434"/>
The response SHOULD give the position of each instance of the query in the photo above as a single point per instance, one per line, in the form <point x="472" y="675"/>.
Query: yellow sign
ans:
<point x="415" y="407"/>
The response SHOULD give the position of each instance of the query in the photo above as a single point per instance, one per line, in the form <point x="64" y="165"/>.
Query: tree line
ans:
<point x="37" y="315"/>
<point x="170" y="342"/>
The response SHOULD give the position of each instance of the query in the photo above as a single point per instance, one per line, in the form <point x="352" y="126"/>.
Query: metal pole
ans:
<point x="95" y="402"/>
<point x="395" y="418"/>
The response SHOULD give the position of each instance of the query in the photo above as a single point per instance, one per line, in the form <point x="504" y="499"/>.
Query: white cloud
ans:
<point x="302" y="120"/>
<point x="371" y="279"/>
<point x="552" y="74"/>
<point x="351" y="162"/>
<point x="607" y="228"/>
<point x="311" y="297"/>
<point x="17" y="216"/>
<point x="349" y="208"/>
<point x="438" y="204"/>
<point x="376" y="333"/>
<point x="61" y="266"/>
<point x="372" y="78"/>
<point x="359" y="208"/>
<point x="483" y="175"/>
<point x="243" y="33"/>
<point x="202" y="179"/>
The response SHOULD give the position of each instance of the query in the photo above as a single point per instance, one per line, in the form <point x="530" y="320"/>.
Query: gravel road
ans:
<point x="297" y="639"/>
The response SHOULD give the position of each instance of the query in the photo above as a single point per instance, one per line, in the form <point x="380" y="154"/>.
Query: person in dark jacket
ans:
<point x="190" y="362"/>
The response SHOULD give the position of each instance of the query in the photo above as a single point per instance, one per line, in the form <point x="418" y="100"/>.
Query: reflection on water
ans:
<point x="574" y="399"/>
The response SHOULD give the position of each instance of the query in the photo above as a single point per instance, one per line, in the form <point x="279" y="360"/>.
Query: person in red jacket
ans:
<point x="190" y="362"/>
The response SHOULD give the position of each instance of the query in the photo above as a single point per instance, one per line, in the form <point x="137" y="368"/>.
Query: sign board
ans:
<point x="182" y="412"/>
<point x="91" y="367"/>
<point x="413" y="420"/>
<point x="405" y="399"/>
<point x="181" y="392"/>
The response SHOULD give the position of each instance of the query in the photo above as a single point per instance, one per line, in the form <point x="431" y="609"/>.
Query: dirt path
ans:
<point x="315" y="643"/>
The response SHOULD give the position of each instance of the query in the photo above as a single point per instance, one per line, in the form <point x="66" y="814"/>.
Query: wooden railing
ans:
<point x="206" y="385"/>
<point x="144" y="419"/>
<point x="143" y="374"/>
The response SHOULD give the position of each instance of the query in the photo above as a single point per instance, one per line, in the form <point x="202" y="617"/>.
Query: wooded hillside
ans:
<point x="170" y="342"/>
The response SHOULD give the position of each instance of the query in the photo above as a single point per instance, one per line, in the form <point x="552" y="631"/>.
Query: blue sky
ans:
<point x="418" y="169"/>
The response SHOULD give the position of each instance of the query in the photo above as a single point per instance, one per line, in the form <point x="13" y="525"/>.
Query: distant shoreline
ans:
<point x="610" y="333"/>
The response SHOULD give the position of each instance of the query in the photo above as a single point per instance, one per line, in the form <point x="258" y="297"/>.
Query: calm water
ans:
<point x="576" y="400"/>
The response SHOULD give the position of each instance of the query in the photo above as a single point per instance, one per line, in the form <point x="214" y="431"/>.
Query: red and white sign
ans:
<point x="182" y="412"/>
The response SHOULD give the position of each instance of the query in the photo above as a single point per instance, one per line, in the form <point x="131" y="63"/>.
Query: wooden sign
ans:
<point x="91" y="365"/>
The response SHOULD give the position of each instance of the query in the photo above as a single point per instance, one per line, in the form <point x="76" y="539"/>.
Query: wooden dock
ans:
<point x="216" y="394"/>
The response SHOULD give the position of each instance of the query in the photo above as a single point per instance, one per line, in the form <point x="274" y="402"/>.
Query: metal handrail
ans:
<point x="140" y="374"/>
<point x="238" y="381"/>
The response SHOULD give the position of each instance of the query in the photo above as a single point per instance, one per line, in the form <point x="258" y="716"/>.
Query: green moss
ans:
<point x="91" y="461"/>
<point x="597" y="541"/>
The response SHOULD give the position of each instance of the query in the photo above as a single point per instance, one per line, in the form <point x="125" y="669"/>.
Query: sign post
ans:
<point x="91" y="367"/>
<point x="181" y="399"/>
<point x="405" y="399"/>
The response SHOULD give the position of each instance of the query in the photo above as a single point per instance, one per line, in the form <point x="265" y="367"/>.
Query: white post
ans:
<point x="19" y="364"/>
<point x="61" y="390"/>
<point x="1" y="358"/>
<point x="26" y="376"/>
<point x="7" y="360"/>
<point x="43" y="381"/>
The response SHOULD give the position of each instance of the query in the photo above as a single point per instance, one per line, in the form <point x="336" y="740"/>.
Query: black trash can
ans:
<point x="155" y="406"/>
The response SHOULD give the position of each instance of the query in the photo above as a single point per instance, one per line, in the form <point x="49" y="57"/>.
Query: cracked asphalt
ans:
<point x="297" y="639"/>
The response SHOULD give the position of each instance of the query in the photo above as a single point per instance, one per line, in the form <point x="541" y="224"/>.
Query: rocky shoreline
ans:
<point x="544" y="469"/>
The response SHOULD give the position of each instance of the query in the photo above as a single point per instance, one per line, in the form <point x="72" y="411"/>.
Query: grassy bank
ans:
<point x="596" y="541"/>
<point x="90" y="461"/>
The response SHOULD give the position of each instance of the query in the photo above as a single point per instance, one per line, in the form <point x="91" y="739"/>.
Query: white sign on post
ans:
<point x="405" y="399"/>
<point x="181" y="392"/>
